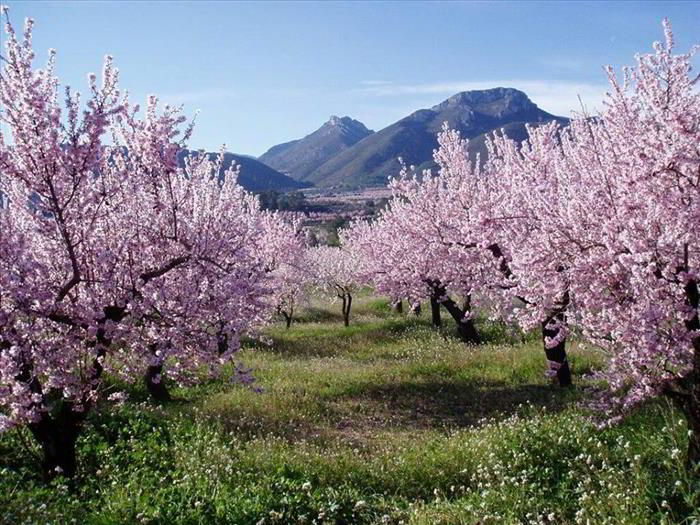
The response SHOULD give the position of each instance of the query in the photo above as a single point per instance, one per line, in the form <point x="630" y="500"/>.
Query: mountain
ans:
<point x="301" y="157"/>
<point x="254" y="175"/>
<point x="475" y="114"/>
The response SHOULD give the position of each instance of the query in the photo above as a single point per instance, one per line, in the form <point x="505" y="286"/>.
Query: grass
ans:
<point x="386" y="421"/>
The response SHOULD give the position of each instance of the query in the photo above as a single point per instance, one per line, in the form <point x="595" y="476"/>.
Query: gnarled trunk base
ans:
<point x="58" y="437"/>
<point x="347" y="303"/>
<point x="155" y="384"/>
<point x="693" y="412"/>
<point x="416" y="309"/>
<point x="557" y="362"/>
<point x="462" y="317"/>
<point x="435" y="312"/>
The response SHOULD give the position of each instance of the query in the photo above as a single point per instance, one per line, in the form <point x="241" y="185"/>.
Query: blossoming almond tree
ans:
<point x="527" y="281"/>
<point x="403" y="253"/>
<point x="450" y="225"/>
<point x="218" y="295"/>
<point x="483" y="229"/>
<point x="644" y="307"/>
<point x="445" y="208"/>
<point x="285" y="249"/>
<point x="112" y="259"/>
<point x="389" y="260"/>
<point x="618" y="198"/>
<point x="334" y="271"/>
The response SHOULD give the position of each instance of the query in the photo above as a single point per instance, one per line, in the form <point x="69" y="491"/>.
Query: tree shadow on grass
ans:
<point x="312" y="314"/>
<point x="326" y="345"/>
<point x="362" y="412"/>
<point x="452" y="403"/>
<point x="341" y="341"/>
<point x="333" y="339"/>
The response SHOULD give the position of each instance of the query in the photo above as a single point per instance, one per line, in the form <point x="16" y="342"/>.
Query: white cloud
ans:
<point x="557" y="97"/>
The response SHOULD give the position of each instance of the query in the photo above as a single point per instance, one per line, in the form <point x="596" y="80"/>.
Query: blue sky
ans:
<point x="267" y="72"/>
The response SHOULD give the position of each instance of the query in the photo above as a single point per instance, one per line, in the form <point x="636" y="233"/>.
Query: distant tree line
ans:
<point x="290" y="201"/>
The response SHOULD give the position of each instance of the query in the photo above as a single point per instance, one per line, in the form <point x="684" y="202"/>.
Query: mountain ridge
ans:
<point x="374" y="158"/>
<point x="298" y="158"/>
<point x="254" y="175"/>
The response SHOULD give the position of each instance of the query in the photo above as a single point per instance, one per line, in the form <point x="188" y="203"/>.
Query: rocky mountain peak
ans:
<point x="346" y="124"/>
<point x="497" y="102"/>
<point x="300" y="157"/>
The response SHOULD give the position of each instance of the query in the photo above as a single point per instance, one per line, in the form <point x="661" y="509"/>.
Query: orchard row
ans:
<point x="116" y="261"/>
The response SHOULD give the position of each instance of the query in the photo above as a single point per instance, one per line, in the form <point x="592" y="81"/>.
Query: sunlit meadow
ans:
<point x="386" y="421"/>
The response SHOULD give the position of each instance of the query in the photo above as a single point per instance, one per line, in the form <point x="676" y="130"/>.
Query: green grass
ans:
<point x="386" y="421"/>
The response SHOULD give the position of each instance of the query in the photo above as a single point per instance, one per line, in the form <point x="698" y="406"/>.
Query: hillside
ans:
<point x="254" y="175"/>
<point x="475" y="113"/>
<point x="299" y="158"/>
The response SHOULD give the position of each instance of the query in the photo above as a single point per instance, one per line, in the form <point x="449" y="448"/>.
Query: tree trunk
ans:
<point x="287" y="319"/>
<point x="154" y="378"/>
<point x="465" y="327"/>
<point x="58" y="433"/>
<point x="693" y="413"/>
<point x="222" y="339"/>
<point x="398" y="306"/>
<point x="155" y="384"/>
<point x="57" y="437"/>
<point x="558" y="364"/>
<point x="416" y="310"/>
<point x="347" y="303"/>
<point x="435" y="310"/>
